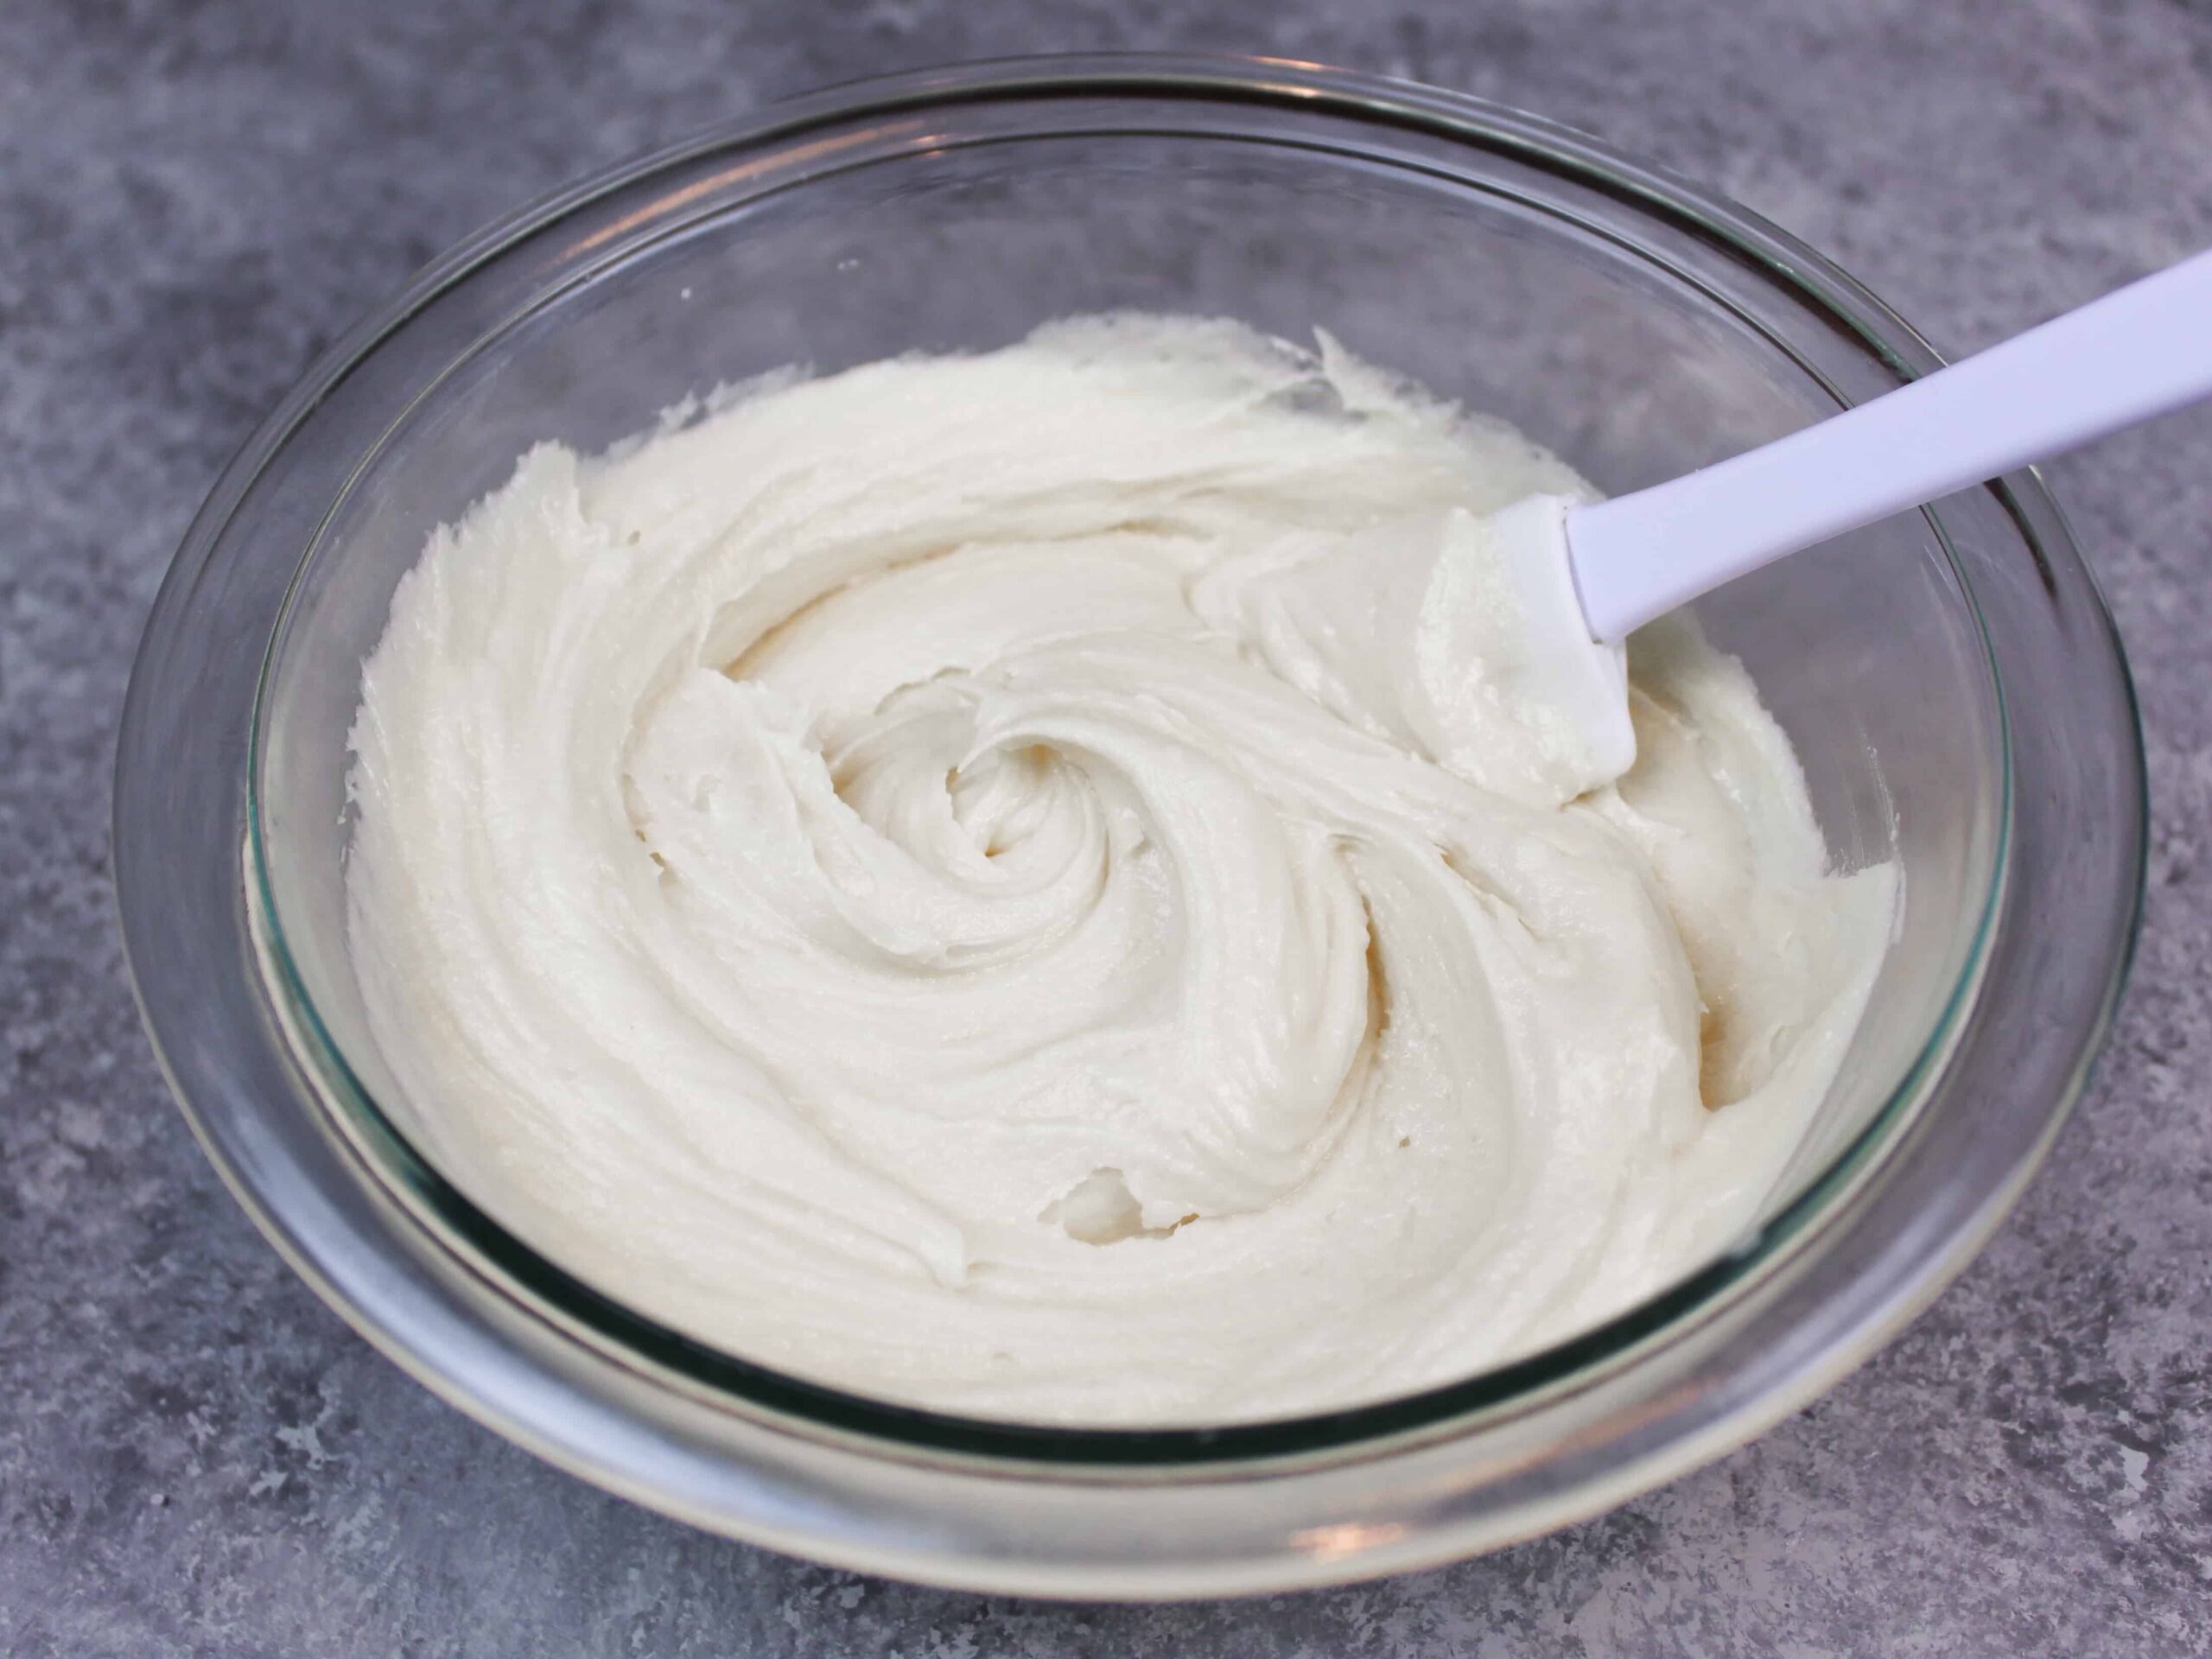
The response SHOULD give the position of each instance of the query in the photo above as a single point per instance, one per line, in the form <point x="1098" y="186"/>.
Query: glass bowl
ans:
<point x="1951" y="679"/>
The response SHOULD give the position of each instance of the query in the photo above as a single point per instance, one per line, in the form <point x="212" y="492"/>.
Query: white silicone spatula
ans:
<point x="1588" y="574"/>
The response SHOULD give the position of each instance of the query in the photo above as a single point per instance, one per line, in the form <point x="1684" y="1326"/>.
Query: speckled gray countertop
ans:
<point x="197" y="1458"/>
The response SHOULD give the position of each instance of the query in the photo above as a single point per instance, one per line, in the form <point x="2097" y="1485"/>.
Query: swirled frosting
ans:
<point x="1005" y="882"/>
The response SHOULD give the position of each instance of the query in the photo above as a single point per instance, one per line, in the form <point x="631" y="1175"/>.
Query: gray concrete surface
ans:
<point x="197" y="1458"/>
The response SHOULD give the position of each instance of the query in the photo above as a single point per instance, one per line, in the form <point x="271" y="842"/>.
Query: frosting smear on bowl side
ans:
<point x="1025" y="884"/>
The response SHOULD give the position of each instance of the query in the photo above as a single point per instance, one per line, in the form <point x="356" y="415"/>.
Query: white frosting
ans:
<point x="1010" y="883"/>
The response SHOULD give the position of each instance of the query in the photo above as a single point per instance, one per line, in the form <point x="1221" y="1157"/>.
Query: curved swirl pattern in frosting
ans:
<point x="1000" y="882"/>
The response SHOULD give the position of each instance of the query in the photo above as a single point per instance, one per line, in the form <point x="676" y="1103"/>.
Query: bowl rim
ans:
<point x="881" y="1427"/>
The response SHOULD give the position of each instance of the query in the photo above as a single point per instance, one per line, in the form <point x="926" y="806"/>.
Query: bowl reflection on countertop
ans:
<point x="1950" y="679"/>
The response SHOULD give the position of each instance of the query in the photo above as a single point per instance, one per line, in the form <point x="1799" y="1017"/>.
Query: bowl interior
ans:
<point x="1622" y="339"/>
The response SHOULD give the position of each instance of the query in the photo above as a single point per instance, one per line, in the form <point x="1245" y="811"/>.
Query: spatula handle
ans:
<point x="2123" y="359"/>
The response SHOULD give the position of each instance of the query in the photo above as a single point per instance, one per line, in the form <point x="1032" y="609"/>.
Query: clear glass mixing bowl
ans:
<point x="1950" y="678"/>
